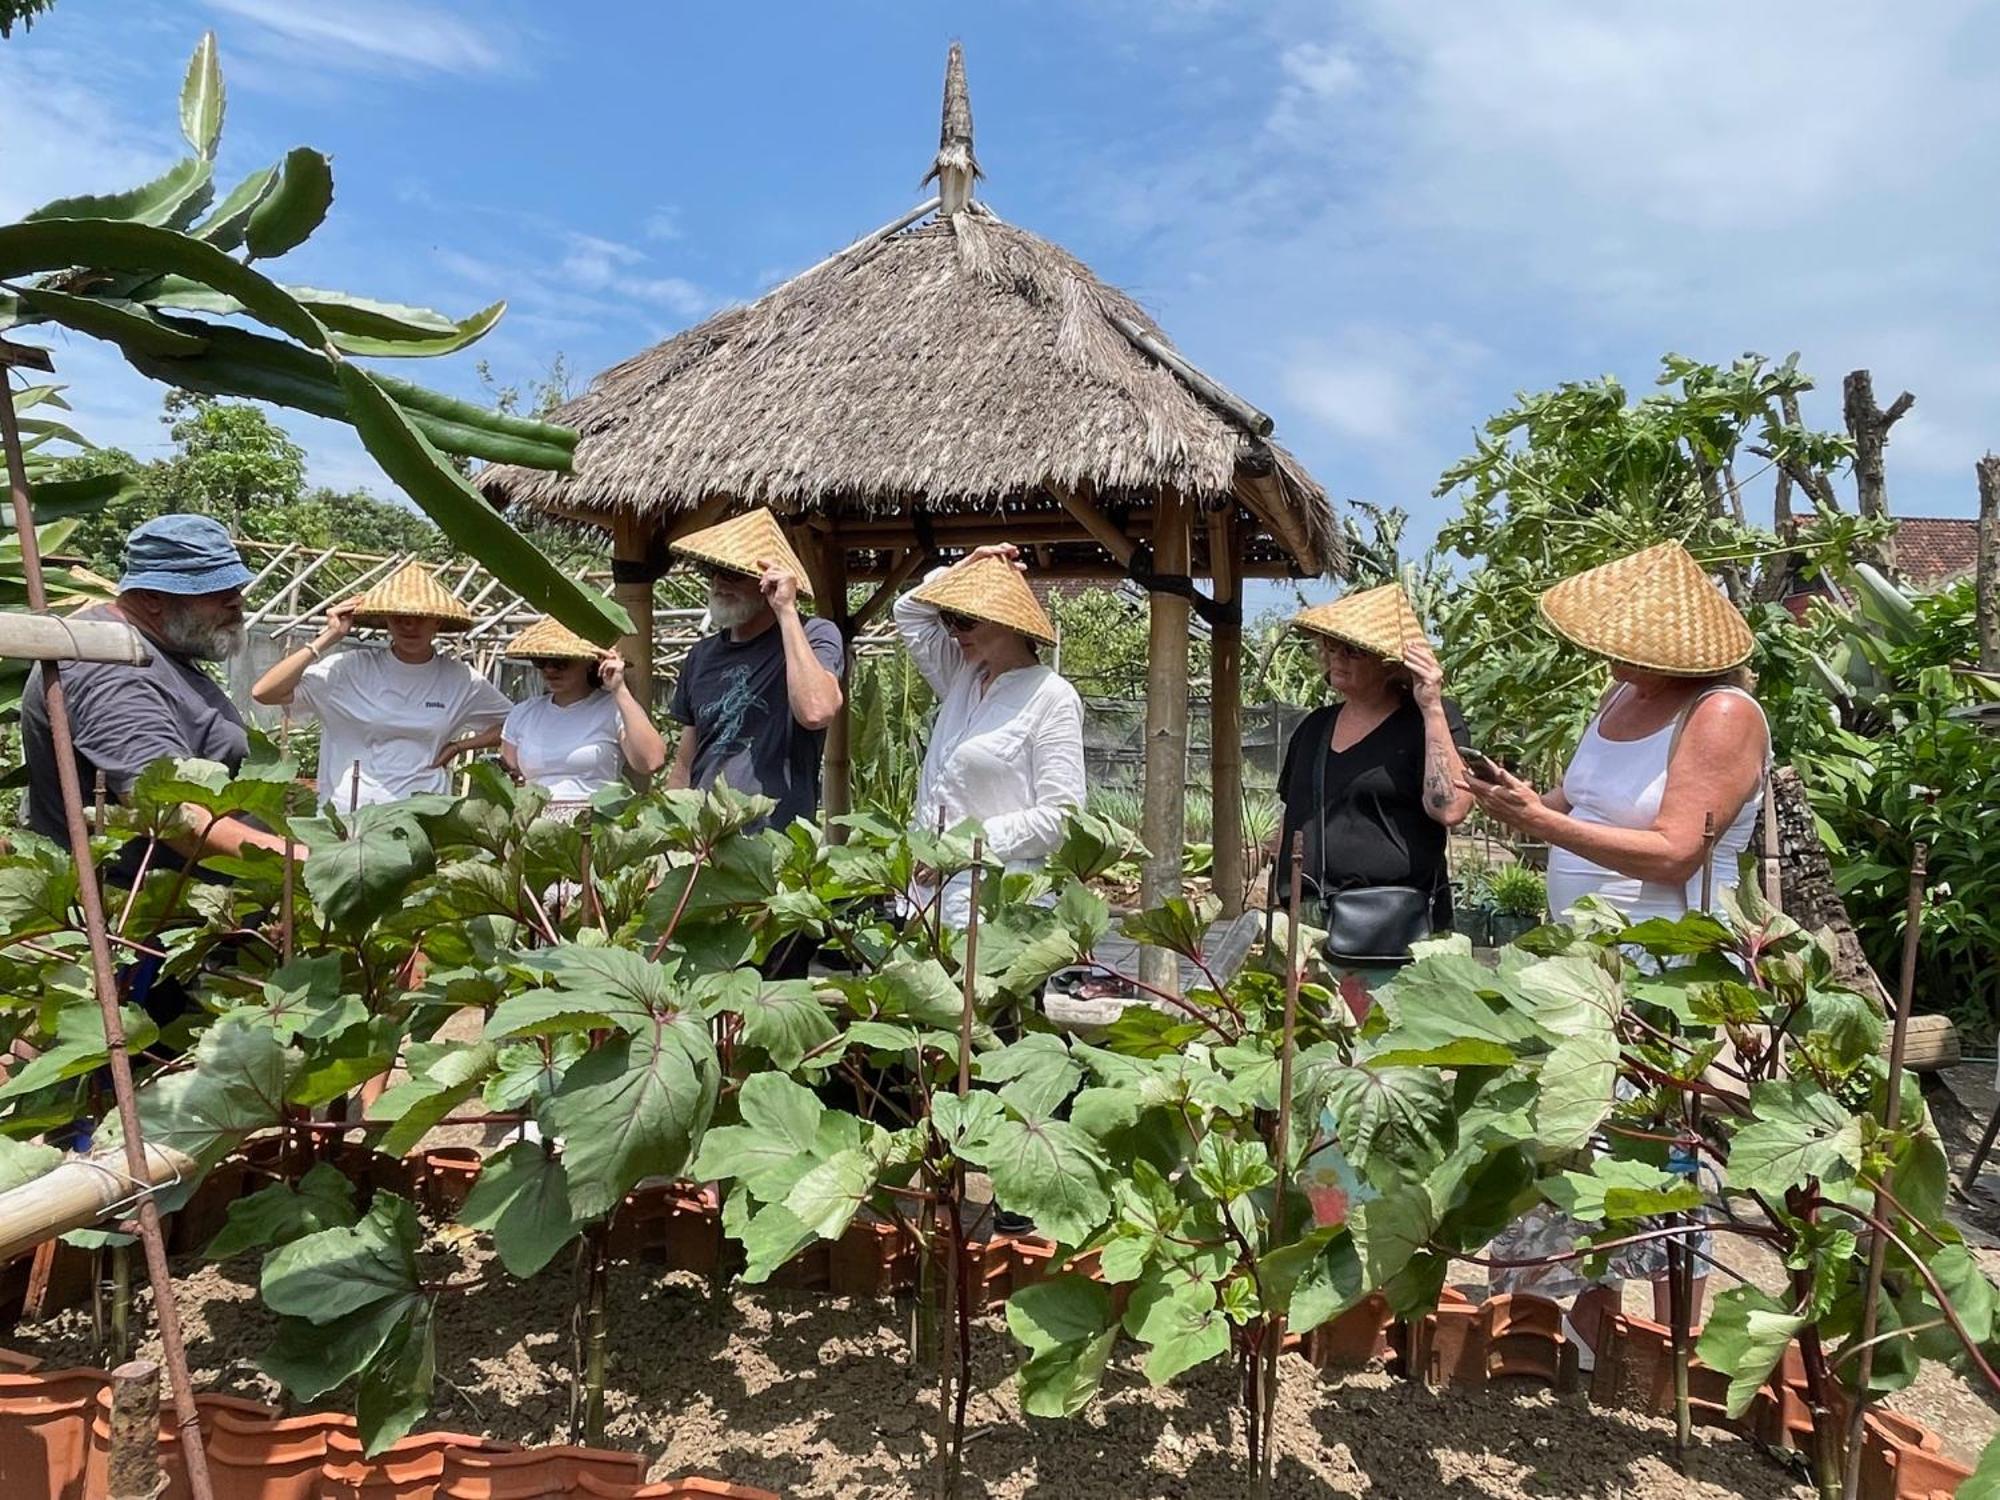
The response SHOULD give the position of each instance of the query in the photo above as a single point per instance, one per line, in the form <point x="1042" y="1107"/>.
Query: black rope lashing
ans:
<point x="1139" y="569"/>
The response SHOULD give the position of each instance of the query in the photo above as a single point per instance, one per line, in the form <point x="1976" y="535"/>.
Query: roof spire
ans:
<point x="955" y="168"/>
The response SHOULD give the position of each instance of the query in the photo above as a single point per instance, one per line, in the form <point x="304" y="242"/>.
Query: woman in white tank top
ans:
<point x="1677" y="739"/>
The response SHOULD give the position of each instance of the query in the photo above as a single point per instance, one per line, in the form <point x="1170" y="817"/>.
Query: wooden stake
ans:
<point x="1274" y="1325"/>
<point x="1986" y="580"/>
<point x="105" y="979"/>
<point x="132" y="1471"/>
<point x="1892" y="1113"/>
<point x="958" y="1311"/>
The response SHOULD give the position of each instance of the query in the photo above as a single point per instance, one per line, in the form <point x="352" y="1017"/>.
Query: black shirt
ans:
<point x="1371" y="827"/>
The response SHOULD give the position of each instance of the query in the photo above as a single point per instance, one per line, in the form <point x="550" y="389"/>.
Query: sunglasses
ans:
<point x="551" y="663"/>
<point x="956" y="623"/>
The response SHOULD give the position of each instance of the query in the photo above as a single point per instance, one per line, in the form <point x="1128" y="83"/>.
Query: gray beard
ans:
<point x="184" y="635"/>
<point x="727" y="611"/>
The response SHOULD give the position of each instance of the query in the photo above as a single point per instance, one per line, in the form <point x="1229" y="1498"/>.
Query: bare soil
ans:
<point x="812" y="1396"/>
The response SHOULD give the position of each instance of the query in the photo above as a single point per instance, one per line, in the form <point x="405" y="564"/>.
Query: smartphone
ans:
<point x="1480" y="766"/>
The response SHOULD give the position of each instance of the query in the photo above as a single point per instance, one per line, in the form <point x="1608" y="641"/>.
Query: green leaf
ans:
<point x="786" y="1018"/>
<point x="635" y="1107"/>
<point x="1851" y="1024"/>
<point x="1614" y="1190"/>
<point x="1798" y="1131"/>
<point x="1048" y="1170"/>
<point x="919" y="989"/>
<point x="966" y="1122"/>
<point x="79" y="1046"/>
<point x="1181" y="1324"/>
<point x="202" y="98"/>
<point x="1390" y="1230"/>
<point x="1400" y="1115"/>
<point x="1230" y="1169"/>
<point x="1068" y="1324"/>
<point x="294" y="208"/>
<point x="386" y="331"/>
<point x="1037" y="1073"/>
<point x="1332" y="1284"/>
<point x="1983" y="1483"/>
<point x="779" y="1135"/>
<point x="305" y="998"/>
<point x="279" y="1214"/>
<point x="238" y="1084"/>
<point x="57" y="244"/>
<point x="359" y="879"/>
<point x="522" y="1196"/>
<point x="828" y="1197"/>
<point x="471" y="525"/>
<point x="310" y="1359"/>
<point x="1746" y="1334"/>
<point x="24" y="1161"/>
<point x="1061" y="1382"/>
<point x="224" y="227"/>
<point x="1177" y="925"/>
<point x="437" y="1085"/>
<point x="396" y="1388"/>
<point x="124" y="323"/>
<point x="172" y="199"/>
<point x="1579" y="1080"/>
<point x="771" y="1238"/>
<point x="1441" y="999"/>
<point x="524" y="1074"/>
<point x="327" y="1275"/>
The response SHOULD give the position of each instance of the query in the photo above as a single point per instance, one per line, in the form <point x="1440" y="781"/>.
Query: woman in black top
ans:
<point x="1374" y="780"/>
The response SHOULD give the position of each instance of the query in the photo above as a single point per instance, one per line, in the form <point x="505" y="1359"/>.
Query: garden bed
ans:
<point x="811" y="1396"/>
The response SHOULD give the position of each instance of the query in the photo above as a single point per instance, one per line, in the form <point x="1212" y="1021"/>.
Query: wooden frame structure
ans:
<point x="946" y="381"/>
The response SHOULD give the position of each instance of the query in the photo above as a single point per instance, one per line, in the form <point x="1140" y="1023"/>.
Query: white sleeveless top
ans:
<point x="1619" y="784"/>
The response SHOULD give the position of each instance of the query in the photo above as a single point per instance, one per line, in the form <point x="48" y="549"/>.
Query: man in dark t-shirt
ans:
<point x="756" y="696"/>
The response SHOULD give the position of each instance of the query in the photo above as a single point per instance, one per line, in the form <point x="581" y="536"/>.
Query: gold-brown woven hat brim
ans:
<point x="1378" y="620"/>
<point x="993" y="590"/>
<point x="412" y="591"/>
<point x="741" y="542"/>
<point x="549" y="638"/>
<point x="1655" y="610"/>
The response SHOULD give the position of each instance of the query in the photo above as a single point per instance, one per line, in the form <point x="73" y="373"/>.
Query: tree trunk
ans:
<point x="1986" y="587"/>
<point x="1869" y="424"/>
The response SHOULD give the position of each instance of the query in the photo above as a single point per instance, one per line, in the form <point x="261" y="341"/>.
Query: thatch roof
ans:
<point x="954" y="364"/>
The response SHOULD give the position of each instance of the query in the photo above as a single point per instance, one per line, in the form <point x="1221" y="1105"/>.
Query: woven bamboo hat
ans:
<point x="992" y="589"/>
<point x="412" y="590"/>
<point x="549" y="638"/>
<point x="740" y="542"/>
<point x="1656" y="610"/>
<point x="1378" y="619"/>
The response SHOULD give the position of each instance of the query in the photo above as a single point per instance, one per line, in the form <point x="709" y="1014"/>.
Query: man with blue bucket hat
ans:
<point x="183" y="591"/>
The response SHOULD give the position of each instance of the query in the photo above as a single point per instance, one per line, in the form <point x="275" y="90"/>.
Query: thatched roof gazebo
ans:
<point x="949" y="380"/>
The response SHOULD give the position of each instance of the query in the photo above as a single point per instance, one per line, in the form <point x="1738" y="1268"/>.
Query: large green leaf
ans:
<point x="306" y="998"/>
<point x="1036" y="1073"/>
<point x="57" y="244"/>
<point x="1442" y="999"/>
<point x="635" y="1107"/>
<point x="173" y="199"/>
<point x="295" y="207"/>
<point x="78" y="1047"/>
<point x="396" y="1387"/>
<point x="386" y="331"/>
<point x="826" y="1199"/>
<point x="1746" y="1334"/>
<point x="1180" y="1322"/>
<point x="337" y="1271"/>
<point x="360" y="878"/>
<point x="280" y="1213"/>
<point x="1797" y="1131"/>
<point x="772" y="1237"/>
<point x="919" y="989"/>
<point x="445" y="1078"/>
<point x="786" y="1018"/>
<point x="1048" y="1170"/>
<point x="202" y="99"/>
<point x="1579" y="1079"/>
<point x="1613" y="1191"/>
<point x="468" y="521"/>
<point x="1068" y="1326"/>
<point x="1401" y="1115"/>
<point x="126" y="323"/>
<point x="24" y="1161"/>
<point x="780" y="1130"/>
<point x="238" y="1084"/>
<point x="225" y="226"/>
<point x="522" y="1196"/>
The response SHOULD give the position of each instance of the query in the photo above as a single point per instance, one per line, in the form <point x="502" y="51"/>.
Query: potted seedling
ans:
<point x="1472" y="904"/>
<point x="1520" y="896"/>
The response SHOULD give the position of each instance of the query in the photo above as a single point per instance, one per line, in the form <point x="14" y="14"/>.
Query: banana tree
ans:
<point x="163" y="271"/>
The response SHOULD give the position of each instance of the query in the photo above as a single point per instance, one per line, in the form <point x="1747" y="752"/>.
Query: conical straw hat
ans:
<point x="1656" y="610"/>
<point x="1378" y="619"/>
<point x="548" y="637"/>
<point x="411" y="590"/>
<point x="741" y="542"/>
<point x="991" y="588"/>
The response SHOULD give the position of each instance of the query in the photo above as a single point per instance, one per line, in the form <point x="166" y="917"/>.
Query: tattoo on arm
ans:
<point x="1437" y="785"/>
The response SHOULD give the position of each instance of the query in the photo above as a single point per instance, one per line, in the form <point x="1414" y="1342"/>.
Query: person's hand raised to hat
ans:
<point x="339" y="621"/>
<point x="1005" y="551"/>
<point x="1426" y="674"/>
<point x="780" y="585"/>
<point x="611" y="670"/>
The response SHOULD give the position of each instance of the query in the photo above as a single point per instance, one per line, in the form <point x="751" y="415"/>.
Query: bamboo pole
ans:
<point x="1892" y="1114"/>
<point x="1225" y="711"/>
<point x="1165" y="806"/>
<point x="78" y="1192"/>
<point x="105" y="979"/>
<point x="53" y="638"/>
<point x="1274" y="1326"/>
<point x="959" y="1313"/>
<point x="631" y="545"/>
<point x="1104" y="530"/>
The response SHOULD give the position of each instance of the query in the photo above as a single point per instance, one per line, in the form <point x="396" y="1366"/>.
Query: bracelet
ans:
<point x="313" y="647"/>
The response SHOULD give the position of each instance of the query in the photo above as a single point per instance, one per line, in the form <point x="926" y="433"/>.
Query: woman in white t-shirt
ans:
<point x="391" y="720"/>
<point x="1007" y="747"/>
<point x="587" y="729"/>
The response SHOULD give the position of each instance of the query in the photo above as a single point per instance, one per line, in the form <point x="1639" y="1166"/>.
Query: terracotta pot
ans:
<point x="534" y="1474"/>
<point x="171" y="1463"/>
<point x="1904" y="1460"/>
<point x="690" y="1233"/>
<point x="17" y="1364"/>
<point x="1448" y="1347"/>
<point x="873" y="1258"/>
<point x="201" y="1218"/>
<point x="1524" y="1341"/>
<point x="1354" y="1339"/>
<point x="45" y="1432"/>
<point x="410" y="1470"/>
<point x="253" y="1460"/>
<point x="671" y="1489"/>
<point x="1034" y="1260"/>
<point x="446" y="1176"/>
<point x="809" y="1271"/>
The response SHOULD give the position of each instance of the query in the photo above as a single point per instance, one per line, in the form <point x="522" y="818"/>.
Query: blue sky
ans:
<point x="1378" y="221"/>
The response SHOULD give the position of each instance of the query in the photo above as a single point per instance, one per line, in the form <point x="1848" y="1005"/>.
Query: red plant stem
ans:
<point x="680" y="906"/>
<point x="1748" y="1231"/>
<point x="91" y="897"/>
<point x="1686" y="1085"/>
<point x="138" y="880"/>
<point x="1172" y="999"/>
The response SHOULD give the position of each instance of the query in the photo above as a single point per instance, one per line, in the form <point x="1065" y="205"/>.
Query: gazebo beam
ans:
<point x="1105" y="530"/>
<point x="1225" y="707"/>
<point x="1264" y="498"/>
<point x="1164" y="820"/>
<point x="907" y="562"/>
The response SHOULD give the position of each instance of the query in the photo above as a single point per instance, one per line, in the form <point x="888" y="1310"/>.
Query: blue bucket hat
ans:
<point x="182" y="554"/>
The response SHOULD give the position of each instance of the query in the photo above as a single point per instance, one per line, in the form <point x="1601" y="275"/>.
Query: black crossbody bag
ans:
<point x="1365" y="924"/>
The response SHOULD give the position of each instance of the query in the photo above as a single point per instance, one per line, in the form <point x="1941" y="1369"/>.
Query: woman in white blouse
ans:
<point x="586" y="730"/>
<point x="1007" y="748"/>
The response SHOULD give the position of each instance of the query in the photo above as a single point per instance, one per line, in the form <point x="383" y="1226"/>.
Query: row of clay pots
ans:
<point x="55" y="1437"/>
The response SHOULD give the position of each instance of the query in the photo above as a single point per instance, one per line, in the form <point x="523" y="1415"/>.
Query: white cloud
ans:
<point x="663" y="224"/>
<point x="1379" y="384"/>
<point x="61" y="135"/>
<point x="375" y="36"/>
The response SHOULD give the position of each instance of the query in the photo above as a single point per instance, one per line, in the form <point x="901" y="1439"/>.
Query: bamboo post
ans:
<point x="91" y="897"/>
<point x="1225" y="710"/>
<point x="1892" y="1113"/>
<point x="634" y="570"/>
<point x="53" y="638"/>
<point x="78" y="1192"/>
<point x="1986" y="577"/>
<point x="958" y="1313"/>
<point x="1163" y="823"/>
<point x="132" y="1470"/>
